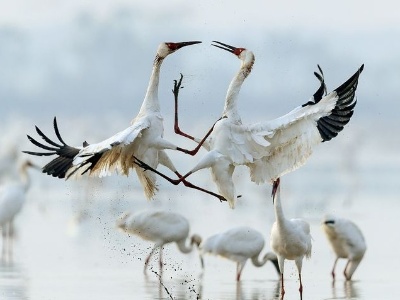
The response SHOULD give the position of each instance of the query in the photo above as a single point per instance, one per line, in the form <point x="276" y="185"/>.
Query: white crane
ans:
<point x="239" y="244"/>
<point x="347" y="241"/>
<point x="160" y="227"/>
<point x="290" y="239"/>
<point x="271" y="148"/>
<point x="12" y="199"/>
<point x="142" y="139"/>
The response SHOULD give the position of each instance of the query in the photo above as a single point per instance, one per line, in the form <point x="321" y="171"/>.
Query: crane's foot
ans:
<point x="177" y="86"/>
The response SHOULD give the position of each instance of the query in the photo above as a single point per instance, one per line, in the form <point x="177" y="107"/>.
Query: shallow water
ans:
<point x="70" y="249"/>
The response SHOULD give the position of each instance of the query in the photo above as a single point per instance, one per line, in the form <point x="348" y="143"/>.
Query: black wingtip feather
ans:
<point x="59" y="166"/>
<point x="329" y="126"/>
<point x="321" y="91"/>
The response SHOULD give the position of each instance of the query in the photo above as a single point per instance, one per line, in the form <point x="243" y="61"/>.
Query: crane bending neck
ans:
<point x="280" y="218"/>
<point x="257" y="262"/>
<point x="151" y="102"/>
<point x="185" y="248"/>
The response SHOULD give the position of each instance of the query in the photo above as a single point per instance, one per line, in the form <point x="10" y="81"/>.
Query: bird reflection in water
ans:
<point x="349" y="290"/>
<point x="13" y="281"/>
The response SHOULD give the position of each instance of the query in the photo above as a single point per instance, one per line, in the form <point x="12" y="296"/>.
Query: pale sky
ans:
<point x="323" y="15"/>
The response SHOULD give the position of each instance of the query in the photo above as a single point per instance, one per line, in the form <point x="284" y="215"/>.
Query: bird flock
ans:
<point x="268" y="148"/>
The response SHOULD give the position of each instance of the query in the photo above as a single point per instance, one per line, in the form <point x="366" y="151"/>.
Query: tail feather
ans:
<point x="148" y="181"/>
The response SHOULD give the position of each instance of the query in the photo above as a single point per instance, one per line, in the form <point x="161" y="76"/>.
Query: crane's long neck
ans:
<point x="185" y="248"/>
<point x="280" y="218"/>
<point x="150" y="102"/>
<point x="260" y="262"/>
<point x="230" y="109"/>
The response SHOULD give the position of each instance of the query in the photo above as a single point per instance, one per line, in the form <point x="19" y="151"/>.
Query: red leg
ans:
<point x="175" y="91"/>
<point x="345" y="269"/>
<point x="301" y="287"/>
<point x="177" y="181"/>
<point x="333" y="268"/>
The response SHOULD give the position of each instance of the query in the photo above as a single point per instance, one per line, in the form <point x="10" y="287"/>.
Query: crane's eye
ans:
<point x="330" y="222"/>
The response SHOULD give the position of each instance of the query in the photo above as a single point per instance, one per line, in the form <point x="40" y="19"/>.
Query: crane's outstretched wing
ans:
<point x="99" y="159"/>
<point x="243" y="144"/>
<point x="289" y="140"/>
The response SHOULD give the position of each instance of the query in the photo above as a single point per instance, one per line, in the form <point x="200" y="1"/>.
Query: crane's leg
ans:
<point x="177" y="181"/>
<point x="299" y="264"/>
<point x="160" y="260"/>
<point x="333" y="268"/>
<point x="281" y="262"/>
<point x="175" y="91"/>
<point x="301" y="287"/>
<point x="345" y="272"/>
<point x="4" y="244"/>
<point x="239" y="270"/>
<point x="11" y="238"/>
<point x="146" y="262"/>
<point x="282" y="287"/>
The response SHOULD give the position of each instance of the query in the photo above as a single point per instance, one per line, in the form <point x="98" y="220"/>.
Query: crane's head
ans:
<point x="275" y="187"/>
<point x="121" y="221"/>
<point x="229" y="48"/>
<point x="196" y="240"/>
<point x="246" y="56"/>
<point x="329" y="221"/>
<point x="167" y="48"/>
<point x="28" y="164"/>
<point x="274" y="259"/>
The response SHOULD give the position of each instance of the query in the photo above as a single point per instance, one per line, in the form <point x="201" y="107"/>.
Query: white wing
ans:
<point x="100" y="159"/>
<point x="112" y="154"/>
<point x="291" y="138"/>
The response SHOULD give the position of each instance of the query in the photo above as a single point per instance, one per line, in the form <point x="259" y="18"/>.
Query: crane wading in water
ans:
<point x="347" y="241"/>
<point x="290" y="239"/>
<point x="142" y="139"/>
<point x="273" y="148"/>
<point x="239" y="244"/>
<point x="160" y="227"/>
<point x="12" y="199"/>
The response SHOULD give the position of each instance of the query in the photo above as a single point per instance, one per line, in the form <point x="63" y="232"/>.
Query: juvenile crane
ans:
<point x="142" y="139"/>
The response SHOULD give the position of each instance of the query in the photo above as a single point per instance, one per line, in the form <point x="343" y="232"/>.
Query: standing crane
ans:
<point x="142" y="139"/>
<point x="12" y="199"/>
<point x="290" y="239"/>
<point x="273" y="148"/>
<point x="347" y="241"/>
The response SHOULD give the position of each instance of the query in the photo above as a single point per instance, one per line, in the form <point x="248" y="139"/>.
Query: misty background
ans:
<point x="88" y="63"/>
